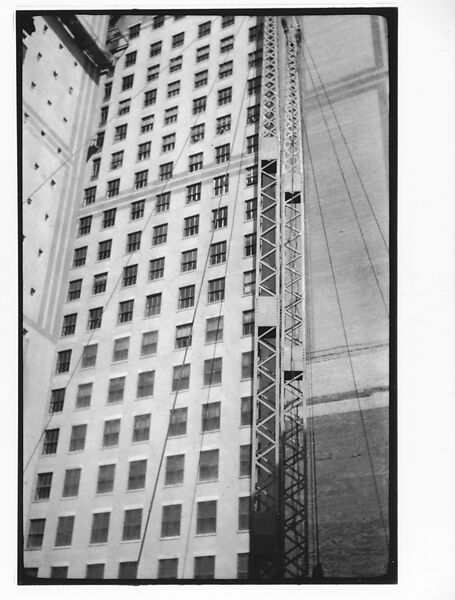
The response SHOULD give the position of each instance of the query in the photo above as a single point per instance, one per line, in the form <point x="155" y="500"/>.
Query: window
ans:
<point x="145" y="382"/>
<point x="186" y="296"/>
<point x="174" y="469"/>
<point x="35" y="533"/>
<point x="197" y="133"/>
<point x="204" y="29"/>
<point x="254" y="86"/>
<point x="99" y="283"/>
<point x="175" y="64"/>
<point x="99" y="141"/>
<point x="100" y="528"/>
<point x="153" y="305"/>
<point x="168" y="142"/>
<point x="184" y="335"/>
<point x="57" y="400"/>
<point x="159" y="234"/>
<point x="111" y="433"/>
<point x="245" y="460"/>
<point x="125" y="311"/>
<point x="104" y="249"/>
<point x="141" y="428"/>
<point x="127" y="82"/>
<point x="85" y="224"/>
<point x="64" y="533"/>
<point x="191" y="226"/>
<point x="153" y="72"/>
<point x="201" y="79"/>
<point x="103" y="115"/>
<point x="132" y="524"/>
<point x="77" y="440"/>
<point x="116" y="389"/>
<point x="227" y="20"/>
<point x="181" y="377"/>
<point x="155" y="49"/>
<point x="80" y="254"/>
<point x="89" y="195"/>
<point x="156" y="268"/>
<point x="252" y="175"/>
<point x="130" y="59"/>
<point x="214" y="329"/>
<point x="225" y="69"/>
<point x="223" y="124"/>
<point x="250" y="244"/>
<point x="173" y="89"/>
<point x="202" y="53"/>
<point x="127" y="570"/>
<point x="124" y="107"/>
<point x="189" y="260"/>
<point x="158" y="21"/>
<point x="163" y="202"/>
<point x="107" y="91"/>
<point x="227" y="44"/>
<point x="254" y="58"/>
<point x="224" y="96"/>
<point x="204" y="567"/>
<point x="136" y="474"/>
<point x="170" y="115"/>
<point x="177" y="422"/>
<point x="89" y="355"/>
<point x="199" y="105"/>
<point x="222" y="153"/>
<point x="211" y="414"/>
<point x="167" y="568"/>
<point x="244" y="513"/>
<point x="216" y="290"/>
<point x="252" y="115"/>
<point x="218" y="253"/>
<point x="254" y="32"/>
<point x="69" y="324"/>
<point x="149" y="98"/>
<point x="178" y="39"/>
<point x="219" y="217"/>
<point x="84" y="395"/>
<point x="250" y="209"/>
<point x="170" y="521"/>
<point x="133" y="241"/>
<point x="212" y="371"/>
<point x="117" y="160"/>
<point x="106" y="474"/>
<point x="134" y="31"/>
<point x="137" y="209"/>
<point x="166" y="171"/>
<point x="43" y="486"/>
<point x="113" y="188"/>
<point x="94" y="571"/>
<point x="143" y="151"/>
<point x="95" y="316"/>
<point x="247" y="365"/>
<point x="129" y="276"/>
<point x="140" y="179"/>
<point x="147" y="123"/>
<point x="221" y="184"/>
<point x="248" y="322"/>
<point x="120" y="132"/>
<point x="242" y="565"/>
<point x="252" y="143"/>
<point x="96" y="164"/>
<point x="63" y="361"/>
<point x="208" y="465"/>
<point x="71" y="483"/>
<point x="109" y="217"/>
<point x="193" y="192"/>
<point x="206" y="517"/>
<point x="149" y="343"/>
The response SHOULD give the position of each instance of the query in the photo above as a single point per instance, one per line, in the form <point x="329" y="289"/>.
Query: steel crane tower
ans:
<point x="278" y="537"/>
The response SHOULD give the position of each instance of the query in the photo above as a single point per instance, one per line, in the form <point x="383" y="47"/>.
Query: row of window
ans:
<point x="204" y="568"/>
<point x="223" y="123"/>
<point x="222" y="154"/>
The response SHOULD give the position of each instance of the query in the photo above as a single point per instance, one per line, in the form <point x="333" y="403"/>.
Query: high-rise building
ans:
<point x="140" y="300"/>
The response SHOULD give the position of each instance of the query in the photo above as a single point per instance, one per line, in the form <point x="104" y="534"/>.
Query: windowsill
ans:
<point x="104" y="493"/>
<point x="61" y="547"/>
<point x="98" y="293"/>
<point x="244" y="476"/>
<point x="192" y="235"/>
<point x="246" y="379"/>
<point x="114" y="402"/>
<point x="143" y="397"/>
<point x="148" y="355"/>
<point x="179" y="392"/>
<point x="119" y="362"/>
<point x="217" y="264"/>
<point x="39" y="500"/>
<point x="213" y="533"/>
<point x="246" y="426"/>
<point x="212" y="385"/>
<point x="246" y="335"/>
<point x="87" y="368"/>
<point x="97" y="544"/>
<point x="170" y="537"/>
<point x="63" y="498"/>
<point x="137" y="442"/>
<point x="109" y="447"/>
<point x="210" y="430"/>
<point x="173" y="485"/>
<point x="213" y="343"/>
<point x="152" y="316"/>
<point x="130" y="541"/>
<point x="208" y="481"/>
<point x="177" y="437"/>
<point x="185" y="308"/>
<point x="141" y="489"/>
<point x="75" y="451"/>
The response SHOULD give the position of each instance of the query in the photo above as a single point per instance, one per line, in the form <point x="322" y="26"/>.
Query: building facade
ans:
<point x="143" y="269"/>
